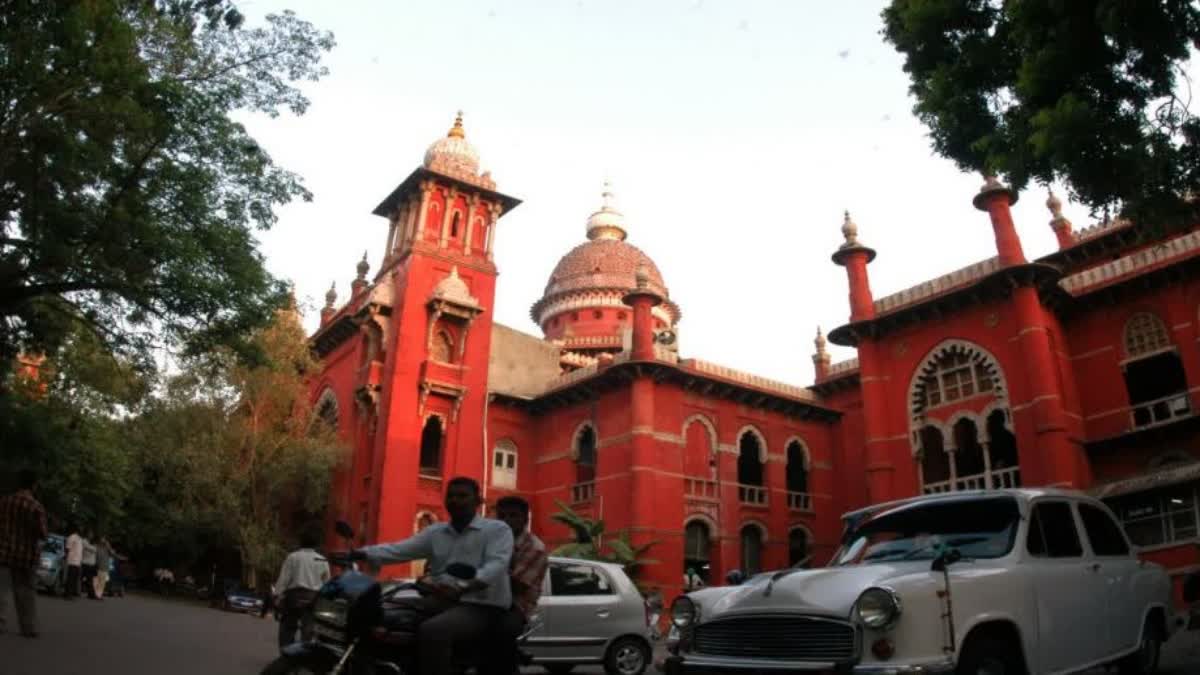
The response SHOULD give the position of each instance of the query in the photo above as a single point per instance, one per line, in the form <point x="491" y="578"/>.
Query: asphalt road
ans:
<point x="146" y="635"/>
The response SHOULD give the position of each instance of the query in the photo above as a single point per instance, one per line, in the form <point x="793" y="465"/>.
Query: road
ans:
<point x="146" y="635"/>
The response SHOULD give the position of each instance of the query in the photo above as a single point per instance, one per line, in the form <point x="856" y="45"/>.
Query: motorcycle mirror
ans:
<point x="343" y="529"/>
<point x="945" y="560"/>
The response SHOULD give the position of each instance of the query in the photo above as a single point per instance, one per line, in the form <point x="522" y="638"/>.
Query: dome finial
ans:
<point x="456" y="131"/>
<point x="363" y="266"/>
<point x="331" y="295"/>
<point x="819" y="342"/>
<point x="608" y="222"/>
<point x="1053" y="203"/>
<point x="849" y="231"/>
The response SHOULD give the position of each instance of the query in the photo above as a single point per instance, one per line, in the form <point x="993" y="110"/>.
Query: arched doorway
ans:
<point x="752" y="546"/>
<point x="798" y="547"/>
<point x="431" y="447"/>
<point x="751" y="453"/>
<point x="697" y="550"/>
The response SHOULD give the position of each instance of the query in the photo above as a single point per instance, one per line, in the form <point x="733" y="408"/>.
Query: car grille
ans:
<point x="791" y="638"/>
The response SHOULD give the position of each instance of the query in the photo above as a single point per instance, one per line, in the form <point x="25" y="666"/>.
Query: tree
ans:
<point x="129" y="195"/>
<point x="1089" y="92"/>
<point x="589" y="542"/>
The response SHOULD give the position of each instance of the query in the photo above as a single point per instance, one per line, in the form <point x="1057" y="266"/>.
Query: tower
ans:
<point x="440" y="277"/>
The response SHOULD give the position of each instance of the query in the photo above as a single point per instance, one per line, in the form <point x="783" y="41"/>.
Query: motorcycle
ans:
<point x="360" y="629"/>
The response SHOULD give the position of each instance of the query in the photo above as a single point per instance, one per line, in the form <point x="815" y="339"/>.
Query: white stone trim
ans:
<point x="849" y="365"/>
<point x="804" y="451"/>
<point x="762" y="441"/>
<point x="1170" y="249"/>
<point x="936" y="286"/>
<point x="703" y="421"/>
<point x="974" y="352"/>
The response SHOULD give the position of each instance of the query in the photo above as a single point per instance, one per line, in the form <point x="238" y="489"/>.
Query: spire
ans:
<point x="608" y="222"/>
<point x="821" y="357"/>
<point x="456" y="131"/>
<point x="1058" y="222"/>
<point x="360" y="282"/>
<point x="328" y="310"/>
<point x="849" y="231"/>
<point x="819" y="342"/>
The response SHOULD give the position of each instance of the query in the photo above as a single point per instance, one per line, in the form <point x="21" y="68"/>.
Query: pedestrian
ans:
<point x="74" y="562"/>
<point x="103" y="559"/>
<point x="692" y="581"/>
<point x="89" y="565"/>
<point x="22" y="531"/>
<point x="303" y="573"/>
<point x="527" y="571"/>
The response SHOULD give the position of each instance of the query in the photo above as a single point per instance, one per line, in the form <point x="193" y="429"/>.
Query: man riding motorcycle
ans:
<point x="469" y="608"/>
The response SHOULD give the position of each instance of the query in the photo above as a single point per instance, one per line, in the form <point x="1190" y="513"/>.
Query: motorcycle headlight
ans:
<point x="684" y="612"/>
<point x="330" y="611"/>
<point x="878" y="608"/>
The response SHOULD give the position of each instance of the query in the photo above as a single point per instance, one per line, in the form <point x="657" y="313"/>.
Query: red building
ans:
<point x="1074" y="369"/>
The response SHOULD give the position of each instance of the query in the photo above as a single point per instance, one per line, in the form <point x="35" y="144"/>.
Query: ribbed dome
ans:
<point x="453" y="155"/>
<point x="602" y="263"/>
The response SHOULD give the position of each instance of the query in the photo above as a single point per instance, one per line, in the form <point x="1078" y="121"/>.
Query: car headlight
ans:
<point x="684" y="612"/>
<point x="878" y="607"/>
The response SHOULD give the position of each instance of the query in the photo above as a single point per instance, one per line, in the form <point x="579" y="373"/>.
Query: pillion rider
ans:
<point x="477" y="604"/>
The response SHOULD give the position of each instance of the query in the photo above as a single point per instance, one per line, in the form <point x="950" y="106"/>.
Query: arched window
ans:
<point x="443" y="347"/>
<point x="697" y="549"/>
<point x="504" y="465"/>
<point x="797" y="467"/>
<point x="327" y="409"/>
<point x="955" y="376"/>
<point x="585" y="455"/>
<point x="935" y="462"/>
<point x="750" y="459"/>
<point x="698" y="453"/>
<point x="751" y="550"/>
<point x="1154" y="376"/>
<point x="431" y="447"/>
<point x="1145" y="333"/>
<point x="798" y="547"/>
<point x="454" y="220"/>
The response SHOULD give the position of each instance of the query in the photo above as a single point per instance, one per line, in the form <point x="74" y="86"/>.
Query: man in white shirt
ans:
<point x="303" y="573"/>
<point x="477" y="604"/>
<point x="89" y="566"/>
<point x="74" y="563"/>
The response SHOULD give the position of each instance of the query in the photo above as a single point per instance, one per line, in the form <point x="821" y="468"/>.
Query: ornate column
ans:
<point x="472" y="206"/>
<point x="423" y="213"/>
<point x="493" y="217"/>
<point x="451" y="197"/>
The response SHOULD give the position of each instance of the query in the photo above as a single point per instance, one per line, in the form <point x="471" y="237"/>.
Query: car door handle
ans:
<point x="602" y="613"/>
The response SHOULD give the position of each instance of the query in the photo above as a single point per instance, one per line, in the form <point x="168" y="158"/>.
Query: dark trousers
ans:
<point x="296" y="613"/>
<point x="503" y="658"/>
<point x="89" y="573"/>
<point x="464" y="624"/>
<point x="24" y="594"/>
<point x="72" y="588"/>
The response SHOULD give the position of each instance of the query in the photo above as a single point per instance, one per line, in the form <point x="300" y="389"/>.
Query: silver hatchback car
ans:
<point x="591" y="612"/>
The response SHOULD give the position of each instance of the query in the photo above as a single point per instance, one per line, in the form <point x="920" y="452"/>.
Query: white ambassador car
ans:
<point x="990" y="583"/>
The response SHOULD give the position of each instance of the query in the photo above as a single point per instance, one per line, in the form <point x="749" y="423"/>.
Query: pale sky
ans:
<point x="734" y="132"/>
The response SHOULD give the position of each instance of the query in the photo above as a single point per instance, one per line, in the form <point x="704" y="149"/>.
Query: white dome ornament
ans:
<point x="608" y="222"/>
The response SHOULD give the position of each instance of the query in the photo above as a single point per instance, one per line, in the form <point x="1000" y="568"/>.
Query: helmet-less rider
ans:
<point x="476" y="605"/>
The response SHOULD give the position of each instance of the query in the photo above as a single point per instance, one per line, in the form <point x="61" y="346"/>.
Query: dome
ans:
<point x="453" y="155"/>
<point x="608" y="222"/>
<point x="454" y="289"/>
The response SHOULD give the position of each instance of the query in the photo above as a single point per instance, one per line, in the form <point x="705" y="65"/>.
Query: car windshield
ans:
<point x="978" y="528"/>
<point x="51" y="546"/>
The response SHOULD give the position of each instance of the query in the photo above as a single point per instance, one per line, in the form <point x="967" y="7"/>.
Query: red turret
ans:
<point x="996" y="198"/>
<point x="854" y="257"/>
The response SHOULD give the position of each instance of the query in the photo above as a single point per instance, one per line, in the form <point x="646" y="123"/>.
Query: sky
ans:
<point x="734" y="133"/>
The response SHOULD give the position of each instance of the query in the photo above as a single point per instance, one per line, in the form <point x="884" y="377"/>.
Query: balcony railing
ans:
<point x="697" y="487"/>
<point x="1160" y="411"/>
<point x="799" y="501"/>
<point x="752" y="494"/>
<point x="583" y="492"/>
<point x="995" y="479"/>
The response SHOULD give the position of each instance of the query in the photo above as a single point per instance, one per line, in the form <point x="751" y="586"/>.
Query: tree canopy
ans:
<point x="1093" y="93"/>
<point x="129" y="193"/>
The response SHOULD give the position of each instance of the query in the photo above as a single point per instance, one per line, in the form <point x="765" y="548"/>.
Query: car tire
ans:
<point x="626" y="656"/>
<point x="984" y="655"/>
<point x="1145" y="660"/>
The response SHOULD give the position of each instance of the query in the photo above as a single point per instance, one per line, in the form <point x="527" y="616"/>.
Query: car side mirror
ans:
<point x="946" y="559"/>
<point x="343" y="529"/>
<point x="1191" y="588"/>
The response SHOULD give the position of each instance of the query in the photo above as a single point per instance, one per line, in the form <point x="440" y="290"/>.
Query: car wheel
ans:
<point x="1145" y="660"/>
<point x="989" y="656"/>
<point x="626" y="656"/>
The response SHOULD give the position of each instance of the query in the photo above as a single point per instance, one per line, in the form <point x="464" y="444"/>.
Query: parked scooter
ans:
<point x="360" y="628"/>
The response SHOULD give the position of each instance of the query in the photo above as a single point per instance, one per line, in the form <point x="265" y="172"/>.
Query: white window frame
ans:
<point x="504" y="476"/>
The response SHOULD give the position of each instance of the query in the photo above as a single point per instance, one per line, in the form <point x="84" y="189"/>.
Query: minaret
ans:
<point x="820" y="357"/>
<point x="1059" y="222"/>
<point x="643" y="299"/>
<point x="996" y="198"/>
<point x="854" y="257"/>
<point x="330" y="298"/>
<point x="360" y="281"/>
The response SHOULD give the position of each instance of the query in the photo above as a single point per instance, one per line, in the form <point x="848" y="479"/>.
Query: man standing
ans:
<point x="103" y="557"/>
<point x="22" y="530"/>
<point x="468" y="539"/>
<point x="74" y="563"/>
<point x="526" y="574"/>
<point x="89" y="565"/>
<point x="302" y="574"/>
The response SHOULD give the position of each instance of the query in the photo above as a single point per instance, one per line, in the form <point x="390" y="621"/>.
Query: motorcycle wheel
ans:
<point x="292" y="666"/>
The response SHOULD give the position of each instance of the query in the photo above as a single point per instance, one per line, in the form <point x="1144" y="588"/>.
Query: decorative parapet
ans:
<point x="1102" y="227"/>
<point x="576" y="359"/>
<point x="740" y="377"/>
<point x="593" y="299"/>
<point x="1157" y="254"/>
<point x="664" y="353"/>
<point x="592" y="341"/>
<point x="937" y="286"/>
<point x="842" y="367"/>
<point x="567" y="379"/>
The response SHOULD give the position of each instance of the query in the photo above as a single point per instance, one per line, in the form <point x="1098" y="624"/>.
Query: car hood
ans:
<point x="829" y="591"/>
